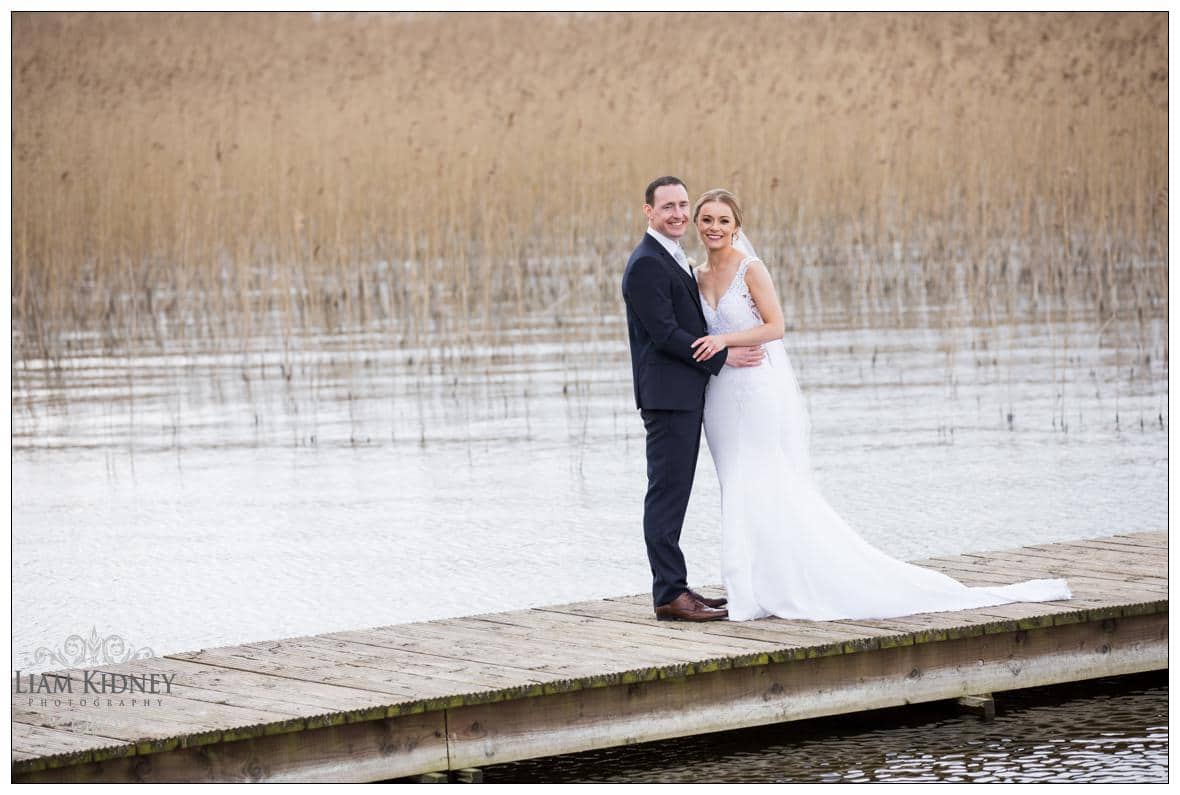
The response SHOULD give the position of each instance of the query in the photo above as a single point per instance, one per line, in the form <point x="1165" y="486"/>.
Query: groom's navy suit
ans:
<point x="664" y="317"/>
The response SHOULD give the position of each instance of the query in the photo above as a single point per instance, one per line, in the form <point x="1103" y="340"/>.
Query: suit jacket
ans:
<point x="664" y="317"/>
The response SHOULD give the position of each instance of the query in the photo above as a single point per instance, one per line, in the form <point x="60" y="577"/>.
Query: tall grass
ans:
<point x="201" y="179"/>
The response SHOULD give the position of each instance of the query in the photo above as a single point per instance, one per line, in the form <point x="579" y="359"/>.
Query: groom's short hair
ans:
<point x="650" y="196"/>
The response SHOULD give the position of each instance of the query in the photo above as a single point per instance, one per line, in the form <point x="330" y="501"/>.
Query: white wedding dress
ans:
<point x="784" y="550"/>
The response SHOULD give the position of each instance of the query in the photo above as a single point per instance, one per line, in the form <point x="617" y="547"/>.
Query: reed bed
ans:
<point x="202" y="180"/>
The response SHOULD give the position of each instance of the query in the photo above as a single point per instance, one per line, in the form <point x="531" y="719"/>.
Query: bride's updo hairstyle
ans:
<point x="718" y="195"/>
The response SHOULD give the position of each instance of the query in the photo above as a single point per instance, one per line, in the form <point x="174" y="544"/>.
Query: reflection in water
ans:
<point x="1108" y="730"/>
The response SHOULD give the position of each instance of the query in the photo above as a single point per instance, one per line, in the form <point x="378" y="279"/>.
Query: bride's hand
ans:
<point x="708" y="347"/>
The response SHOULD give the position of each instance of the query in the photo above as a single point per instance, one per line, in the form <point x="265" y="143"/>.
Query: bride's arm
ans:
<point x="766" y="300"/>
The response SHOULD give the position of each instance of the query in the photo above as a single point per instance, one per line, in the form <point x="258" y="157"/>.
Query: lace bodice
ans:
<point x="735" y="310"/>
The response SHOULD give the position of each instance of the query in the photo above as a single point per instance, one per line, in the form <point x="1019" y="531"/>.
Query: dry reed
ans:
<point x="204" y="179"/>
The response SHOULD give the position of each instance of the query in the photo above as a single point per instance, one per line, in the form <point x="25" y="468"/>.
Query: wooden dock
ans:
<point x="460" y="693"/>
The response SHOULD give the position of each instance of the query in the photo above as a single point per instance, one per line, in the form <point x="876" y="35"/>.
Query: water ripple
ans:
<point x="1106" y="730"/>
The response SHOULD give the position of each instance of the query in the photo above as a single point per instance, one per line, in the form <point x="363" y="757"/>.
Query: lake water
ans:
<point x="1106" y="730"/>
<point x="325" y="483"/>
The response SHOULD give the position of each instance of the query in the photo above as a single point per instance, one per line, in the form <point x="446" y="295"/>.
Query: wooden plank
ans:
<point x="30" y="740"/>
<point x="447" y="646"/>
<point x="550" y="624"/>
<point x="637" y="611"/>
<point x="930" y="627"/>
<point x="1088" y="594"/>
<point x="1145" y="539"/>
<point x="1146" y="544"/>
<point x="490" y="646"/>
<point x="401" y="637"/>
<point x="689" y="645"/>
<point x="636" y="648"/>
<point x="888" y="632"/>
<point x="1092" y="572"/>
<point x="552" y="627"/>
<point x="321" y="652"/>
<point x="1107" y="590"/>
<point x="1078" y="550"/>
<point x="743" y="697"/>
<point x="146" y="731"/>
<point x="280" y="665"/>
<point x="1097" y="563"/>
<point x="1014" y="571"/>
<point x="331" y="708"/>
<point x="342" y="676"/>
<point x="246" y="688"/>
<point x="285" y="715"/>
<point x="1152" y="555"/>
<point x="611" y="654"/>
<point x="1114" y="586"/>
<point x="1006" y="571"/>
<point x="1084" y="551"/>
<point x="367" y="751"/>
<point x="556" y="647"/>
<point x="481" y="643"/>
<point x="371" y="673"/>
<point x="1149" y="546"/>
<point x="784" y="633"/>
<point x="1027" y="614"/>
<point x="461" y="672"/>
<point x="1135" y="585"/>
<point x="598" y="672"/>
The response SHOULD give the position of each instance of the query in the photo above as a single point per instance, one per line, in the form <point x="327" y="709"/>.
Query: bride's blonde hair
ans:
<point x="718" y="195"/>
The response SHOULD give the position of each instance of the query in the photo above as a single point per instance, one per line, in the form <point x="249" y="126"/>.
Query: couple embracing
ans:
<point x="707" y="349"/>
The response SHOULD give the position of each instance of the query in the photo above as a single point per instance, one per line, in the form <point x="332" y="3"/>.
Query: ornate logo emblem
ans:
<point x="83" y="652"/>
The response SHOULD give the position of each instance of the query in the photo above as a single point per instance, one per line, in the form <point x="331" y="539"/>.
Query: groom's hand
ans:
<point x="745" y="357"/>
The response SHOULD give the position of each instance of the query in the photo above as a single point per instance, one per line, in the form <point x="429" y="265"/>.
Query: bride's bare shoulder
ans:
<point x="757" y="274"/>
<point x="756" y="265"/>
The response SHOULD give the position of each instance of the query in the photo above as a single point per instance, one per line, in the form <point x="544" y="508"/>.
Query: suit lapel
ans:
<point x="668" y="258"/>
<point x="689" y="281"/>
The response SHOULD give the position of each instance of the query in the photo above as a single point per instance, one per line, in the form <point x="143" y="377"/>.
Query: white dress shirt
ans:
<point x="673" y="247"/>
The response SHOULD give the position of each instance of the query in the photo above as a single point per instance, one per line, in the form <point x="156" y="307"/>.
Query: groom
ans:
<point x="664" y="318"/>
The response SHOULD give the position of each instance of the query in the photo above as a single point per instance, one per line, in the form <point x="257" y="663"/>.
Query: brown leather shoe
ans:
<point x="708" y="602"/>
<point x="686" y="608"/>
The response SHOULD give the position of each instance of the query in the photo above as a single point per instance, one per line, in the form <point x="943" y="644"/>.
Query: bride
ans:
<point x="784" y="550"/>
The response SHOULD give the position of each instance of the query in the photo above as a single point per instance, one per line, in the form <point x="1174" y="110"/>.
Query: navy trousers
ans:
<point x="673" y="442"/>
